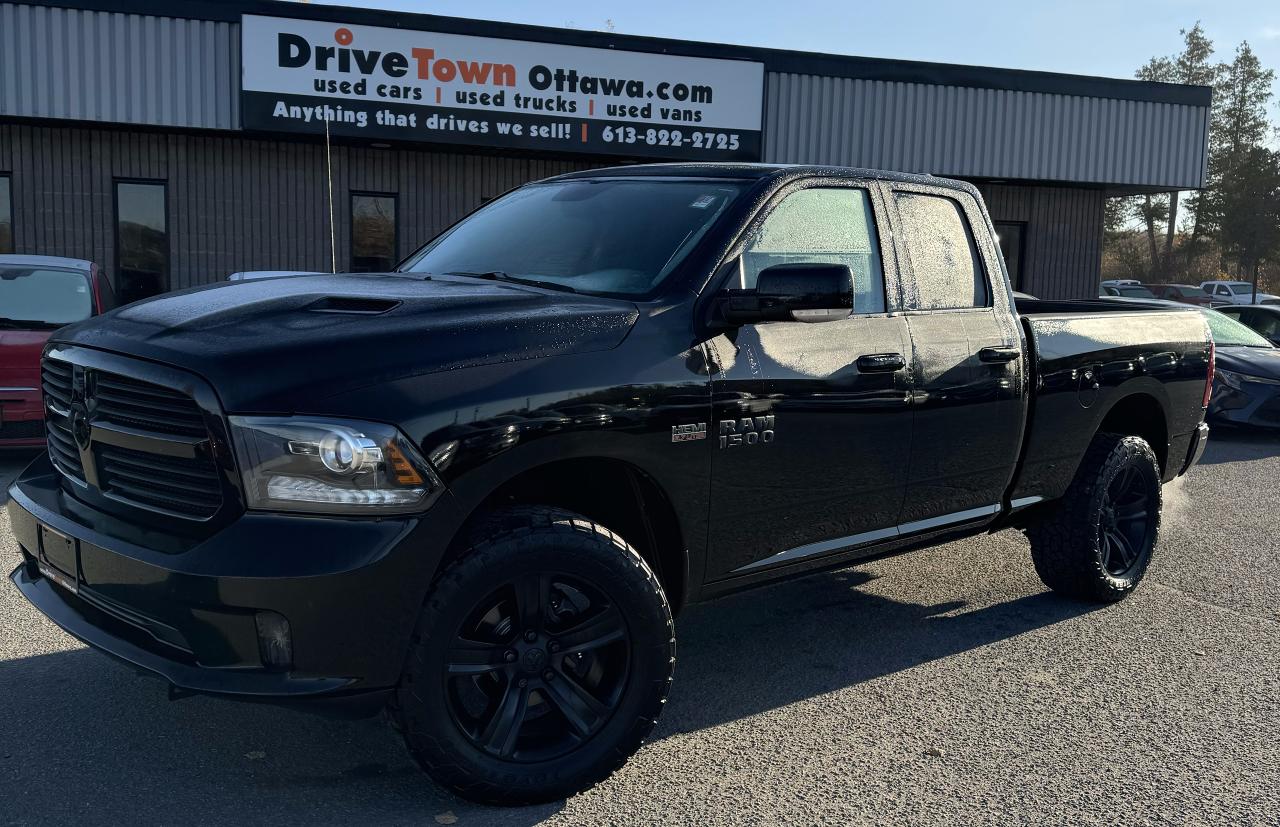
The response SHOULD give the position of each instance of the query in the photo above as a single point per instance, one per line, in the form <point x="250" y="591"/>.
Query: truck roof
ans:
<point x="750" y="171"/>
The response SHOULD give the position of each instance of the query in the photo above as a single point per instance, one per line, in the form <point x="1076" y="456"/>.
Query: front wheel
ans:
<point x="1097" y="542"/>
<point x="541" y="660"/>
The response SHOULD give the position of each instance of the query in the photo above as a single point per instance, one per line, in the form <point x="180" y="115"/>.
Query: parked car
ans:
<point x="1246" y="387"/>
<point x="1128" y="291"/>
<point x="38" y="294"/>
<point x="476" y="490"/>
<point x="1120" y="282"/>
<point x="1236" y="292"/>
<point x="1184" y="293"/>
<point x="1263" y="319"/>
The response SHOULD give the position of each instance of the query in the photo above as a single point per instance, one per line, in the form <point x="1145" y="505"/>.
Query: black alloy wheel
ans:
<point x="537" y="667"/>
<point x="1096" y="541"/>
<point x="1127" y="521"/>
<point x="540" y="661"/>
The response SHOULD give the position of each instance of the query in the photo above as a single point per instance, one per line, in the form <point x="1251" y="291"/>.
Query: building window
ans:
<point x="6" y="215"/>
<point x="1012" y="236"/>
<point x="373" y="233"/>
<point x="142" y="240"/>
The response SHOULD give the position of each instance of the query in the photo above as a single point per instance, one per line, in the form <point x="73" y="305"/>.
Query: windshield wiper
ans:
<point x="27" y="324"/>
<point x="499" y="275"/>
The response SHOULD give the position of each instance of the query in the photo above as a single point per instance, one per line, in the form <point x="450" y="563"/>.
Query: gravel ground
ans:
<point x="943" y="687"/>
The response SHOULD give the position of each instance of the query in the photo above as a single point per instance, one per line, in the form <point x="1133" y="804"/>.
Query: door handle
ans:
<point x="881" y="363"/>
<point x="997" y="355"/>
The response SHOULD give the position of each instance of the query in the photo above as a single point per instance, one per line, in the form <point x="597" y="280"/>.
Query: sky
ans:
<point x="1110" y="39"/>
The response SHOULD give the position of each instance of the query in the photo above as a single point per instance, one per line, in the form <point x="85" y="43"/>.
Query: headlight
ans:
<point x="330" y="466"/>
<point x="1234" y="380"/>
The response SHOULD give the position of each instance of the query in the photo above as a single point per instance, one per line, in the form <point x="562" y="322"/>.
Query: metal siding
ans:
<point x="236" y="203"/>
<point x="1062" y="257"/>
<point x="985" y="133"/>
<point x="125" y="68"/>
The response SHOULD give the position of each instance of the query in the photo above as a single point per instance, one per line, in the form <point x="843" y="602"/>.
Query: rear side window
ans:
<point x="822" y="226"/>
<point x="944" y="258"/>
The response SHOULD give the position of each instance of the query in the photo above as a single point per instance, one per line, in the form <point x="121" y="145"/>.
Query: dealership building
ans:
<point x="176" y="143"/>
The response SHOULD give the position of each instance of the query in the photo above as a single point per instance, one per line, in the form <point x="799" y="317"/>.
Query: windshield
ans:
<point x="1135" y="292"/>
<point x="617" y="237"/>
<point x="1227" y="332"/>
<point x="43" y="297"/>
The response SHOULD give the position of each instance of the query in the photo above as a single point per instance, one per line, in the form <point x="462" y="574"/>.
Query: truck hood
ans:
<point x="282" y="345"/>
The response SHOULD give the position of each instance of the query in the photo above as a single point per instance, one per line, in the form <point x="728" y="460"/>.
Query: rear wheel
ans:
<point x="541" y="660"/>
<point x="1098" y="541"/>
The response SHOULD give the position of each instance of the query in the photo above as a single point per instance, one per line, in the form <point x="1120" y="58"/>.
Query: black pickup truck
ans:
<point x="475" y="491"/>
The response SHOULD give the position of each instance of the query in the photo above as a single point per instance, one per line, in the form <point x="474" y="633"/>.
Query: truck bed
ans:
<point x="1088" y="363"/>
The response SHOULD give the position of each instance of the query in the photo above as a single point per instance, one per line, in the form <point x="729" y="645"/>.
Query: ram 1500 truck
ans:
<point x="476" y="490"/>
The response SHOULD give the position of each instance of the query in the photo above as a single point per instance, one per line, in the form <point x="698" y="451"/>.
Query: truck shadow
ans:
<point x="765" y="649"/>
<point x="121" y="752"/>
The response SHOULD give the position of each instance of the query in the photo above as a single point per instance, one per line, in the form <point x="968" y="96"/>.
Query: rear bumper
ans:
<point x="1199" y="439"/>
<point x="350" y="590"/>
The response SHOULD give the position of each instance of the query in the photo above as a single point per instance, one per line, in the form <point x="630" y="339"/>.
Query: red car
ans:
<point x="38" y="295"/>
<point x="1185" y="293"/>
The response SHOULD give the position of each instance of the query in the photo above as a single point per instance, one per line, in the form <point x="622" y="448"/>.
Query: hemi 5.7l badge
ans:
<point x="688" y="433"/>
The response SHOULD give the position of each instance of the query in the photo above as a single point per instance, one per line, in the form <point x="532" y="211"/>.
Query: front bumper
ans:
<point x="187" y="609"/>
<point x="21" y="418"/>
<point x="1255" y="405"/>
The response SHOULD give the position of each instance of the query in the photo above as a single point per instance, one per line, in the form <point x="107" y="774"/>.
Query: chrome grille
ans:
<point x="141" y="444"/>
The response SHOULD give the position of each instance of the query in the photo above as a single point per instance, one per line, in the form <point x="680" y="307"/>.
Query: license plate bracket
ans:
<point x="59" y="558"/>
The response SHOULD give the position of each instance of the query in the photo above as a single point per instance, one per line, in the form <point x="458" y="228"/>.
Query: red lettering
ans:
<point x="423" y="58"/>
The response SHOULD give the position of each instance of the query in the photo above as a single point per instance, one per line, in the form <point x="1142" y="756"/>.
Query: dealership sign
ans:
<point x="402" y="84"/>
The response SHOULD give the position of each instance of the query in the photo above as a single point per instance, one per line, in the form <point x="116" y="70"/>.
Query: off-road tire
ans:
<point x="537" y="539"/>
<point x="1067" y="544"/>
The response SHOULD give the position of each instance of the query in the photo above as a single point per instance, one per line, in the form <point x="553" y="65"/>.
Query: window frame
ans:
<point x="13" y="221"/>
<point x="727" y="270"/>
<point x="352" y="195"/>
<point x="984" y="242"/>
<point x="1016" y="283"/>
<point x="163" y="183"/>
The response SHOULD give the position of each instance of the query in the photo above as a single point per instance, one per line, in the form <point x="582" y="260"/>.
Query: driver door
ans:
<point x="811" y="433"/>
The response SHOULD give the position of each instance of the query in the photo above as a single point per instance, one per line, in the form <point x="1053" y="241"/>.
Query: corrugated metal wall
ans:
<point x="128" y="68"/>
<point x="249" y="204"/>
<point x="124" y="68"/>
<point x="1062" y="252"/>
<point x="983" y="133"/>
<point x="235" y="203"/>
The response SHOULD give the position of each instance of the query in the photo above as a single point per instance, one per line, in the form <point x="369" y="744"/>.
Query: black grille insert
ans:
<point x="149" y="445"/>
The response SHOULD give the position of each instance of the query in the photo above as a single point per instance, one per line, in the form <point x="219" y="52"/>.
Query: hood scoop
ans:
<point x="353" y="305"/>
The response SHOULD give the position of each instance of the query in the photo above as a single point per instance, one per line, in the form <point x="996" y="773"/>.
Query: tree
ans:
<point x="1191" y="66"/>
<point x="1238" y="194"/>
<point x="1248" y="210"/>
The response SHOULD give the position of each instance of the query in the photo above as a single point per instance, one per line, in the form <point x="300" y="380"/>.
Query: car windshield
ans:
<point x="1227" y="332"/>
<point x="43" y="297"/>
<point x="608" y="236"/>
<point x="1136" y="292"/>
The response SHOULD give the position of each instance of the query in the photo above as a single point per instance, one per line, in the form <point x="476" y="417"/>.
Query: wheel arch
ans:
<point x="613" y="492"/>
<point x="1140" y="414"/>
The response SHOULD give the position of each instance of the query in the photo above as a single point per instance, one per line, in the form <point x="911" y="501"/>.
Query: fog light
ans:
<point x="275" y="641"/>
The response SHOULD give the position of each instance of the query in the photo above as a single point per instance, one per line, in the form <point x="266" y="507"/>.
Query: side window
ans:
<point x="822" y="226"/>
<point x="948" y="273"/>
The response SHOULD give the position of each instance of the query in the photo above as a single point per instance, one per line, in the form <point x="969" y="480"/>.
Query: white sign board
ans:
<point x="404" y="84"/>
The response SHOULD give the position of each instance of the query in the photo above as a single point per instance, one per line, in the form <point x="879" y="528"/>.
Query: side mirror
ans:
<point x="792" y="292"/>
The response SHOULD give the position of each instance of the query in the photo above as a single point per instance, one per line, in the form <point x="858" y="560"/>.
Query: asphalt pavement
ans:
<point x="944" y="687"/>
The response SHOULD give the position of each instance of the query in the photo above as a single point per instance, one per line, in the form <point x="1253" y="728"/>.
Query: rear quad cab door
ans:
<point x="969" y="398"/>
<point x="808" y="449"/>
